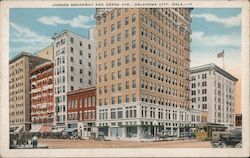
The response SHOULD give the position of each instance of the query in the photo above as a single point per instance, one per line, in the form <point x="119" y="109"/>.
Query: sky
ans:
<point x="213" y="30"/>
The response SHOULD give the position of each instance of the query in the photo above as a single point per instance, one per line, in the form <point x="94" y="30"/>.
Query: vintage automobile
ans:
<point x="165" y="135"/>
<point x="187" y="135"/>
<point x="228" y="139"/>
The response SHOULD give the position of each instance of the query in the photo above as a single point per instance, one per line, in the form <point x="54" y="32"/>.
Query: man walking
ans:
<point x="34" y="141"/>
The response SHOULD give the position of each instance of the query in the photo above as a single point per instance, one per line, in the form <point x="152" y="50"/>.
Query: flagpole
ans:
<point x="223" y="61"/>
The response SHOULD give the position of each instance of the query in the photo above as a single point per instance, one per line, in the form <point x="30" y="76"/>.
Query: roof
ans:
<point x="212" y="66"/>
<point x="42" y="66"/>
<point x="22" y="54"/>
<point x="82" y="90"/>
<point x="67" y="31"/>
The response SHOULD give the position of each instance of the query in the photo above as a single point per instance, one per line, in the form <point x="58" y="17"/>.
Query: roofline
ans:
<point x="42" y="66"/>
<point x="210" y="67"/>
<point x="65" y="31"/>
<point x="19" y="56"/>
<point x="82" y="90"/>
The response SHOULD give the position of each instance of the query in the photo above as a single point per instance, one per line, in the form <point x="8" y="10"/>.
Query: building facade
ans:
<point x="47" y="53"/>
<point x="213" y="93"/>
<point x="19" y="90"/>
<point x="74" y="68"/>
<point x="81" y="110"/>
<point x="143" y="71"/>
<point x="42" y="95"/>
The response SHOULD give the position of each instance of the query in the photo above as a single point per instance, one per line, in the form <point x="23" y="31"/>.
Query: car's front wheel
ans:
<point x="239" y="145"/>
<point x="222" y="145"/>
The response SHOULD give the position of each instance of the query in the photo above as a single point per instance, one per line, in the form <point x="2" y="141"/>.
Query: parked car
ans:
<point x="165" y="135"/>
<point x="187" y="135"/>
<point x="229" y="138"/>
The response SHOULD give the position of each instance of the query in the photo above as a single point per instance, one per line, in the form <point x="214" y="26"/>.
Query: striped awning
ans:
<point x="45" y="129"/>
<point x="35" y="128"/>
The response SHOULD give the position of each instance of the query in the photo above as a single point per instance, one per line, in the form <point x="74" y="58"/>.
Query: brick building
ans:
<point x="143" y="71"/>
<point x="42" y="96"/>
<point x="81" y="110"/>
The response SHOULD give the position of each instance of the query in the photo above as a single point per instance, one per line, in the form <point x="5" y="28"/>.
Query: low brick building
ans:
<point x="81" y="110"/>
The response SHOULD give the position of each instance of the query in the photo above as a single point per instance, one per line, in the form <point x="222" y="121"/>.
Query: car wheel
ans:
<point x="215" y="145"/>
<point x="222" y="145"/>
<point x="239" y="145"/>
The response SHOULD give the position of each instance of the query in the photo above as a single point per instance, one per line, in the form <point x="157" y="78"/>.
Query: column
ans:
<point x="138" y="132"/>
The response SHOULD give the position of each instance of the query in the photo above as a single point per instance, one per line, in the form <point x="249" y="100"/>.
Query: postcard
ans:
<point x="124" y="78"/>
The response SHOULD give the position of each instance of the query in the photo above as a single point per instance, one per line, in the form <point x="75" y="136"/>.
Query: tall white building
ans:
<point x="74" y="68"/>
<point x="213" y="93"/>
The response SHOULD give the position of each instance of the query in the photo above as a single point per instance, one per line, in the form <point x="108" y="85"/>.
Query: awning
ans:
<point x="70" y="130"/>
<point x="19" y="128"/>
<point x="57" y="130"/>
<point x="35" y="128"/>
<point x="45" y="129"/>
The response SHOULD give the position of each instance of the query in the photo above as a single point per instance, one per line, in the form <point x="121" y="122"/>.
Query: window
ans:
<point x="127" y="84"/>
<point x="105" y="30"/>
<point x="113" y="100"/>
<point x="119" y="74"/>
<point x="127" y="72"/>
<point x="119" y="24"/>
<point x="133" y="18"/>
<point x="105" y="43"/>
<point x="105" y="89"/>
<point x="80" y="61"/>
<point x="112" y="27"/>
<point x="89" y="46"/>
<point x="119" y="86"/>
<point x="127" y="46"/>
<point x="71" y="59"/>
<point x="81" y="71"/>
<point x="112" y="51"/>
<point x="126" y="21"/>
<point x="113" y="88"/>
<point x="80" y="52"/>
<point x="133" y="57"/>
<point x="71" y="49"/>
<point x="119" y="37"/>
<point x="112" y="64"/>
<point x="112" y="15"/>
<point x="119" y="49"/>
<point x="119" y="61"/>
<point x="113" y="76"/>
<point x="112" y="39"/>
<point x="133" y="97"/>
<point x="126" y="34"/>
<point x="127" y="98"/>
<point x="133" y="31"/>
<point x="127" y="59"/>
<point x="133" y="70"/>
<point x="133" y="44"/>
<point x="134" y="84"/>
<point x="119" y="99"/>
<point x="72" y="69"/>
<point x="71" y="40"/>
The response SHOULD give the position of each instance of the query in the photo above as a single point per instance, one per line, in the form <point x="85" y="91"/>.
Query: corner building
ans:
<point x="74" y="68"/>
<point x="143" y="71"/>
<point x="213" y="93"/>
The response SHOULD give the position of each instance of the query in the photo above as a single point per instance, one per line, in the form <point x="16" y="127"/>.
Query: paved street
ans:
<point x="72" y="144"/>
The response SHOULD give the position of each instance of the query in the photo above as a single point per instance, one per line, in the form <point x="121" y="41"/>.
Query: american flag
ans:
<point x="221" y="54"/>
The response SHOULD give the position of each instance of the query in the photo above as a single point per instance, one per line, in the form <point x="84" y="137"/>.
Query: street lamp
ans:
<point x="154" y="124"/>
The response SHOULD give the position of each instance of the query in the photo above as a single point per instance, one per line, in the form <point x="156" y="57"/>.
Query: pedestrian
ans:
<point x="34" y="141"/>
